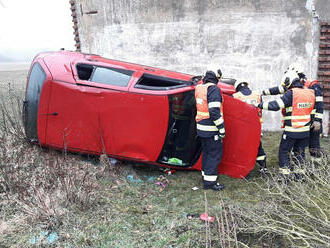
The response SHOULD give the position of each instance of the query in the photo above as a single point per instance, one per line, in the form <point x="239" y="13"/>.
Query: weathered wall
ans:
<point x="251" y="39"/>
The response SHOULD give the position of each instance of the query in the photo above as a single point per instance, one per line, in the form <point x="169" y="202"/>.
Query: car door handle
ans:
<point x="54" y="113"/>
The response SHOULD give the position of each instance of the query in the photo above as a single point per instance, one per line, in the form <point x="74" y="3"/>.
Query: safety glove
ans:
<point x="316" y="126"/>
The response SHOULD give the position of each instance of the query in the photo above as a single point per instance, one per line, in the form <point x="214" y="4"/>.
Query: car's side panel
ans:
<point x="134" y="125"/>
<point x="102" y="120"/>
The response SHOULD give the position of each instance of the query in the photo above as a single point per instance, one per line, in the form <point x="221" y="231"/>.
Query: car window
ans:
<point x="153" y="82"/>
<point x="111" y="76"/>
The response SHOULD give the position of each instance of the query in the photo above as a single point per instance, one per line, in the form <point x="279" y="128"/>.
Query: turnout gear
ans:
<point x="302" y="106"/>
<point x="211" y="158"/>
<point x="210" y="128"/>
<point x="209" y="110"/>
<point x="298" y="103"/>
<point x="316" y="115"/>
<point x="287" y="145"/>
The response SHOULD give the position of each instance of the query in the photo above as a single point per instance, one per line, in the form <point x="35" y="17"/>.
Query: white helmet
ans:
<point x="297" y="68"/>
<point x="289" y="77"/>
<point x="240" y="82"/>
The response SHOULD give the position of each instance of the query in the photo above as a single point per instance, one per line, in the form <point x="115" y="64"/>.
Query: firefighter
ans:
<point x="210" y="128"/>
<point x="245" y="94"/>
<point x="298" y="103"/>
<point x="317" y="114"/>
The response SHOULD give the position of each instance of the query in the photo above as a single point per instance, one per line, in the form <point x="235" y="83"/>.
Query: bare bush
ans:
<point x="42" y="185"/>
<point x="296" y="211"/>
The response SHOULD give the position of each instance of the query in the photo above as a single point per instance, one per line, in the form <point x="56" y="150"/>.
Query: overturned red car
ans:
<point x="90" y="104"/>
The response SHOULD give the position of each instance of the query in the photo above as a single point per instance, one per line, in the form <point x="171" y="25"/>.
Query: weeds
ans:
<point x="296" y="211"/>
<point x="41" y="185"/>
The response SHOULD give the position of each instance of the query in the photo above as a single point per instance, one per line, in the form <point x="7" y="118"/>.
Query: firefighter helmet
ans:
<point x="289" y="77"/>
<point x="240" y="82"/>
<point x="217" y="72"/>
<point x="210" y="77"/>
<point x="297" y="68"/>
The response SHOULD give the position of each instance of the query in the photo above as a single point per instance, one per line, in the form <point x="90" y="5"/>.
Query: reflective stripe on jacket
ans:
<point x="253" y="98"/>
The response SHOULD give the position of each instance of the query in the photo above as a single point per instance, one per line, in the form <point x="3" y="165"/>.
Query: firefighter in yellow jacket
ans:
<point x="210" y="128"/>
<point x="245" y="94"/>
<point x="298" y="103"/>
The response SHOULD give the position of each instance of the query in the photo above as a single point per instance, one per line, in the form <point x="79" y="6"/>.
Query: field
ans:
<point x="57" y="199"/>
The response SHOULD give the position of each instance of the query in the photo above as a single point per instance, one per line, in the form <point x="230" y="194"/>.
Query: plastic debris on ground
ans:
<point x="192" y="216"/>
<point x="113" y="161"/>
<point x="168" y="171"/>
<point x="44" y="236"/>
<point x="175" y="161"/>
<point x="195" y="188"/>
<point x="163" y="182"/>
<point x="132" y="179"/>
<point x="205" y="217"/>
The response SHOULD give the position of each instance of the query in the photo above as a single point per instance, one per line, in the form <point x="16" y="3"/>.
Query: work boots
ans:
<point x="263" y="168"/>
<point x="215" y="187"/>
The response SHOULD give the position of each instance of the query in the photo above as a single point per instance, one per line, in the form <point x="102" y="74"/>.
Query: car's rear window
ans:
<point x="153" y="82"/>
<point x="104" y="75"/>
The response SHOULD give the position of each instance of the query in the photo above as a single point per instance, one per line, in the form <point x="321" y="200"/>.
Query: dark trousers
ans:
<point x="286" y="146"/>
<point x="314" y="144"/>
<point x="261" y="156"/>
<point x="211" y="158"/>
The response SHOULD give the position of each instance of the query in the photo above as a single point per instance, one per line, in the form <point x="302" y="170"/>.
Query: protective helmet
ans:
<point x="297" y="68"/>
<point x="240" y="82"/>
<point x="289" y="77"/>
<point x="210" y="77"/>
<point x="217" y="71"/>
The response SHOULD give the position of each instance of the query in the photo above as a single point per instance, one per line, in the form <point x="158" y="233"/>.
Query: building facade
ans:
<point x="254" y="40"/>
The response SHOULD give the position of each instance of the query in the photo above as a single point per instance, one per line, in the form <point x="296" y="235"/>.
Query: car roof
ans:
<point x="59" y="62"/>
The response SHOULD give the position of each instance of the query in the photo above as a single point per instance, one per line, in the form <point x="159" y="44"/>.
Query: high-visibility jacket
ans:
<point x="253" y="98"/>
<point x="298" y="116"/>
<point x="209" y="117"/>
<point x="201" y="102"/>
<point x="317" y="113"/>
<point x="308" y="83"/>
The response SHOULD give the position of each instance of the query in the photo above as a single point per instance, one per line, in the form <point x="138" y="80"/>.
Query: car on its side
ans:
<point x="90" y="104"/>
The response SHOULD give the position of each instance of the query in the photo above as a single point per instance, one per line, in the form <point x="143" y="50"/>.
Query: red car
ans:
<point x="90" y="104"/>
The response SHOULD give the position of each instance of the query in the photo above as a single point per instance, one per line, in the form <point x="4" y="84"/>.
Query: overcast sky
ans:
<point x="31" y="26"/>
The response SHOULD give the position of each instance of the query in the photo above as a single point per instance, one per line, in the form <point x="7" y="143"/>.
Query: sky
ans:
<point x="28" y="27"/>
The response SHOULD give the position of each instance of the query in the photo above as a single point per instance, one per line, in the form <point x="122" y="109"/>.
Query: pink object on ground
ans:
<point x="206" y="217"/>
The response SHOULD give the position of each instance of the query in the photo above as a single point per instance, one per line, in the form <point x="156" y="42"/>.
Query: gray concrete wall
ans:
<point x="249" y="39"/>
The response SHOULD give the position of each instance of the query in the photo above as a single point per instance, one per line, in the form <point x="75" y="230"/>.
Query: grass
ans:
<point x="88" y="203"/>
